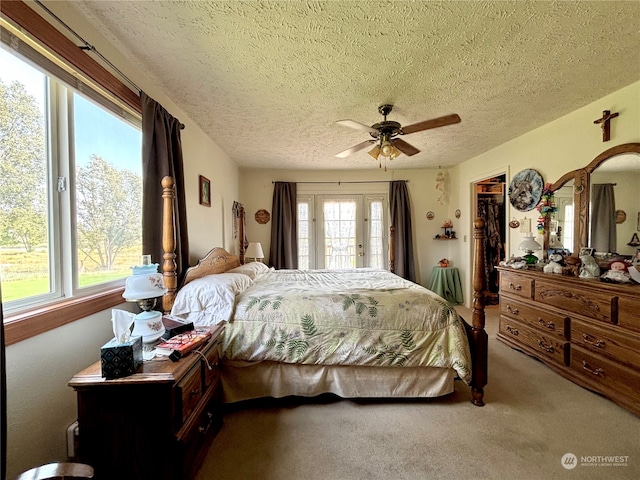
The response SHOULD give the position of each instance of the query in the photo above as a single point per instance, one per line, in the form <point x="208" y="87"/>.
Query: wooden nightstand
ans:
<point x="155" y="424"/>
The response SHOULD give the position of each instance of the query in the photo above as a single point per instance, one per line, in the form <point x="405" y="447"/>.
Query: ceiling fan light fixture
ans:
<point x="386" y="148"/>
<point x="374" y="152"/>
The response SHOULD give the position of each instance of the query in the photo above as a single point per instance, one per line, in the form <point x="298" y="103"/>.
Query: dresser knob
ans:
<point x="203" y="429"/>
<point x="513" y="331"/>
<point x="515" y="311"/>
<point x="195" y="392"/>
<point x="597" y="372"/>
<point x="545" y="346"/>
<point x="549" y="325"/>
<point x="597" y="343"/>
<point x="515" y="287"/>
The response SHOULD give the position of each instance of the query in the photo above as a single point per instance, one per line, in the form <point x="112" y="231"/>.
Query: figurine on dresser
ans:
<point x="572" y="266"/>
<point x="589" y="267"/>
<point x="617" y="273"/>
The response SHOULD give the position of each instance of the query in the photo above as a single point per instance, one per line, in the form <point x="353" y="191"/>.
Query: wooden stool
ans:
<point x="58" y="470"/>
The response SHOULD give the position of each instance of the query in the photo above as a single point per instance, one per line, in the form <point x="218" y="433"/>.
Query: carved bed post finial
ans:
<point x="392" y="249"/>
<point x="241" y="233"/>
<point x="169" y="265"/>
<point x="479" y="339"/>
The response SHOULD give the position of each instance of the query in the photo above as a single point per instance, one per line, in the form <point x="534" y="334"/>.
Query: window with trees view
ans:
<point x="70" y="188"/>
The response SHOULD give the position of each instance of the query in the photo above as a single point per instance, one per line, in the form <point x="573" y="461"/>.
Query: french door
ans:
<point x="340" y="231"/>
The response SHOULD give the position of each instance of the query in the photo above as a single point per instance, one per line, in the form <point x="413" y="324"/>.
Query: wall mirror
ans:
<point x="608" y="183"/>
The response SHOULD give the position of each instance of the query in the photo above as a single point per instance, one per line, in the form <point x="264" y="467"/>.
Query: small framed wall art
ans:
<point x="262" y="216"/>
<point x="205" y="191"/>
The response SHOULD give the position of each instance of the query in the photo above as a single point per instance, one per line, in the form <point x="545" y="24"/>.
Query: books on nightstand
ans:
<point x="175" y="325"/>
<point x="179" y="345"/>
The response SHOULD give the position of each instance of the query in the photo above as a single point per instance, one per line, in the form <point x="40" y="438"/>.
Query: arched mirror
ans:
<point x="614" y="205"/>
<point x="606" y="202"/>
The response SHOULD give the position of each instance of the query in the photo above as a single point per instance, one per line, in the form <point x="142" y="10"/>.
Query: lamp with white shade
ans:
<point x="144" y="287"/>
<point x="254" y="250"/>
<point x="528" y="246"/>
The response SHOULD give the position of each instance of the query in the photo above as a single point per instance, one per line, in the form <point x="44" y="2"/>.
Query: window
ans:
<point x="70" y="187"/>
<point x="351" y="231"/>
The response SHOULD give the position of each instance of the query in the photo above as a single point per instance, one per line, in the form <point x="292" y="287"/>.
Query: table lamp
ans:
<point x="528" y="246"/>
<point x="144" y="287"/>
<point x="254" y="250"/>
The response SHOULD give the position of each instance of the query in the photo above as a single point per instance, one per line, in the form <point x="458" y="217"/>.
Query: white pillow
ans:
<point x="252" y="269"/>
<point x="210" y="299"/>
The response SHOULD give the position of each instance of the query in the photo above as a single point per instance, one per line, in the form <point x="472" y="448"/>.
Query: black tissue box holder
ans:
<point x="121" y="359"/>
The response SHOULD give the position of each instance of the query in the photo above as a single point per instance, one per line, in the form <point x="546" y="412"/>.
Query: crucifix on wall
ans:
<point x="604" y="123"/>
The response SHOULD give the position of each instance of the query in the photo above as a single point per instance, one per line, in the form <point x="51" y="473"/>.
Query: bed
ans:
<point x="354" y="333"/>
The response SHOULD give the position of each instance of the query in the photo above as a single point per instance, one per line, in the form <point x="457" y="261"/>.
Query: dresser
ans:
<point x="155" y="424"/>
<point x="586" y="330"/>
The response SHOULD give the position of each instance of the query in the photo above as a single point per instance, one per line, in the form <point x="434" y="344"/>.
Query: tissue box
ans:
<point x="121" y="359"/>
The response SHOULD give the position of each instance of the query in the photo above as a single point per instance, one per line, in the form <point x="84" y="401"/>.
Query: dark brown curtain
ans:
<point x="284" y="226"/>
<point x="603" y="236"/>
<point x="161" y="156"/>
<point x="400" y="207"/>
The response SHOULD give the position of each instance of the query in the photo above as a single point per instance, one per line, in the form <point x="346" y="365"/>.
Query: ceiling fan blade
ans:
<point x="433" y="123"/>
<point x="404" y="147"/>
<point x="357" y="126"/>
<point x="354" y="149"/>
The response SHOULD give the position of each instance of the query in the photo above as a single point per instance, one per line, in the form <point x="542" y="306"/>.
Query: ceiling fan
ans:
<point x="385" y="134"/>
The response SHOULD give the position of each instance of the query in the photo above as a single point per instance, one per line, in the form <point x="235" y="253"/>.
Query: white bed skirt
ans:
<point x="245" y="381"/>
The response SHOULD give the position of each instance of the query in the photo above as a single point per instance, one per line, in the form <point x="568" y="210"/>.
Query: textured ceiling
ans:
<point x="267" y="80"/>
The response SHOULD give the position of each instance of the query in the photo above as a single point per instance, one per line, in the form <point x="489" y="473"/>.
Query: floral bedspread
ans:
<point x="349" y="317"/>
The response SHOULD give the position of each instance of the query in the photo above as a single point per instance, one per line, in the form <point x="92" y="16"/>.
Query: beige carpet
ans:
<point x="532" y="418"/>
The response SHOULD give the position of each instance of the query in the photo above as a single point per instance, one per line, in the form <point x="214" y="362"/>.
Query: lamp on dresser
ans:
<point x="528" y="246"/>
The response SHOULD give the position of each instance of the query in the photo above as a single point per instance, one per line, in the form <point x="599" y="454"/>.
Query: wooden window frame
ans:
<point x="28" y="323"/>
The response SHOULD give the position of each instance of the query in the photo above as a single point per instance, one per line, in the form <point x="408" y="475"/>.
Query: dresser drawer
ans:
<point x="198" y="434"/>
<point x="552" y="323"/>
<point x="548" y="345"/>
<point x="600" y="306"/>
<point x="629" y="311"/>
<point x="190" y="391"/>
<point x="516" y="285"/>
<point x="598" y="370"/>
<point x="623" y="347"/>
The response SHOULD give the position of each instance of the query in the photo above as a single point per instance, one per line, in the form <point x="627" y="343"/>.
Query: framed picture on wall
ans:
<point x="205" y="191"/>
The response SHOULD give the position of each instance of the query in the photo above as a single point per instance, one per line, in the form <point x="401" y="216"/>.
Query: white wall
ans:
<point x="566" y="144"/>
<point x="257" y="193"/>
<point x="40" y="405"/>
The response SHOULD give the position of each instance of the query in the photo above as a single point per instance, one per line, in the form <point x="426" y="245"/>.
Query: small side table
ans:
<point x="155" y="424"/>
<point x="445" y="281"/>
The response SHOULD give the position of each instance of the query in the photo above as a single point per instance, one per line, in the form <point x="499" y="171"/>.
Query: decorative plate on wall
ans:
<point x="525" y="190"/>
<point x="262" y="216"/>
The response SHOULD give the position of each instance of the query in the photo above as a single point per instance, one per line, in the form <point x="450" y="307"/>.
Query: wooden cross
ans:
<point x="604" y="121"/>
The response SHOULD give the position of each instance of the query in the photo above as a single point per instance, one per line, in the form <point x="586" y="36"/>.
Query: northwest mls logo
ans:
<point x="569" y="461"/>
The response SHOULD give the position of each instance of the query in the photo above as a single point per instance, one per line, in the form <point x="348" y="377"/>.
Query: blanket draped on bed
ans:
<point x="361" y="317"/>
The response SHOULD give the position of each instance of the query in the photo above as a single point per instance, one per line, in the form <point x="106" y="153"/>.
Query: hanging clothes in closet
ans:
<point x="491" y="210"/>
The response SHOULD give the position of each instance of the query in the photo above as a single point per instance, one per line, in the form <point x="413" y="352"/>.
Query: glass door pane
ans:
<point x="341" y="232"/>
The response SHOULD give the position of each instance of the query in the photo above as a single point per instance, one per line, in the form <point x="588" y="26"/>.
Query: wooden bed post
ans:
<point x="241" y="233"/>
<point x="478" y="335"/>
<point x="392" y="249"/>
<point x="169" y="265"/>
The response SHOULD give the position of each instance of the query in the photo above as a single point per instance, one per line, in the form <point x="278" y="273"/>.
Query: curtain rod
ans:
<point x="357" y="181"/>
<point x="88" y="47"/>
